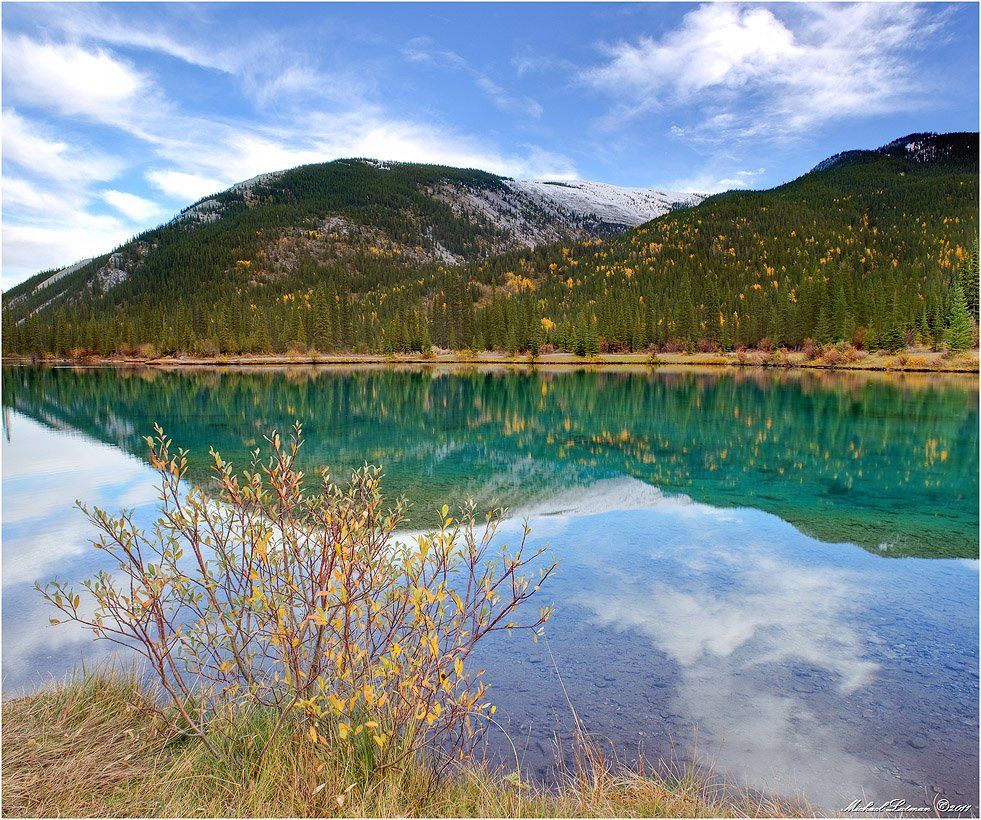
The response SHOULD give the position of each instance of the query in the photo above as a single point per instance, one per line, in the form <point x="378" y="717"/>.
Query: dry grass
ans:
<point x="78" y="748"/>
<point x="92" y="747"/>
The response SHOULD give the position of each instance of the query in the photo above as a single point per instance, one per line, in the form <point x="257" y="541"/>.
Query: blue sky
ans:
<point x="116" y="116"/>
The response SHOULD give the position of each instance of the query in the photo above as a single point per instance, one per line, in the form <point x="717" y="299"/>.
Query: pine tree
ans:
<point x="968" y="277"/>
<point x="838" y="320"/>
<point x="923" y="335"/>
<point x="686" y="322"/>
<point x="960" y="326"/>
<point x="892" y="337"/>
<point x="322" y="325"/>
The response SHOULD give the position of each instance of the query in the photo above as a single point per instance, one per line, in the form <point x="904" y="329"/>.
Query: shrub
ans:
<point x="306" y="604"/>
<point x="707" y="346"/>
<point x="832" y="356"/>
<point x="811" y="350"/>
<point x="208" y="347"/>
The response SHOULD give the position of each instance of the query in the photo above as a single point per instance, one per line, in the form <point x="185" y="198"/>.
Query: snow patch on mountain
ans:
<point x="260" y="179"/>
<point x="535" y="212"/>
<point x="609" y="204"/>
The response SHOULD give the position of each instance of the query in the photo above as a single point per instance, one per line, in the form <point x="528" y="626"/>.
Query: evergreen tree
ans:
<point x="924" y="336"/>
<point x="968" y="276"/>
<point x="960" y="326"/>
<point x="838" y="318"/>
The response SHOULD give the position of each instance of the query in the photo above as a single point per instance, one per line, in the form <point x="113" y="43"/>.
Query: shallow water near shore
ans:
<point x="777" y="572"/>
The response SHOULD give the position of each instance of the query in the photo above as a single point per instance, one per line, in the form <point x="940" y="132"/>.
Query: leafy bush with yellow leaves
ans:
<point x="266" y="594"/>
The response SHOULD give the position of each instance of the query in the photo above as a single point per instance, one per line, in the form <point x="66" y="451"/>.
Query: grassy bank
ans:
<point x="92" y="747"/>
<point x="920" y="360"/>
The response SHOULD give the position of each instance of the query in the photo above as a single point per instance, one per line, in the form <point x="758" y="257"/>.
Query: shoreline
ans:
<point x="93" y="746"/>
<point x="915" y="361"/>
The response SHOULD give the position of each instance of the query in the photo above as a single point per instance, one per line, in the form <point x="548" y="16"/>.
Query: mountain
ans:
<point x="875" y="247"/>
<point x="334" y="211"/>
<point x="959" y="148"/>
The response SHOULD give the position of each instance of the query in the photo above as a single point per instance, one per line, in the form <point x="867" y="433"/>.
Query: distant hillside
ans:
<point x="364" y="255"/>
<point x="952" y="149"/>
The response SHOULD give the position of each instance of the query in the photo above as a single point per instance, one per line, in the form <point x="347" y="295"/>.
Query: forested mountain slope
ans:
<point x="868" y="247"/>
<point x="360" y="228"/>
<point x="878" y="247"/>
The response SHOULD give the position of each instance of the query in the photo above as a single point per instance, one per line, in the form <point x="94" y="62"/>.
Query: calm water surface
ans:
<point x="778" y="571"/>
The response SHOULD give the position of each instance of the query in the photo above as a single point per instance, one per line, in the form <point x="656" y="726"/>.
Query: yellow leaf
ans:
<point x="313" y="734"/>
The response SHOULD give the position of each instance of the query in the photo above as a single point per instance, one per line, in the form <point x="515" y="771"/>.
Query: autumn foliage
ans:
<point x="266" y="594"/>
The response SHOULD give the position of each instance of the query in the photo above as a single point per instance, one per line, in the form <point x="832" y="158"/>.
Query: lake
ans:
<point x="774" y="571"/>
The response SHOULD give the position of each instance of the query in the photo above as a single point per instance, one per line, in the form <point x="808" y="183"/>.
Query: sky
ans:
<point x="117" y="116"/>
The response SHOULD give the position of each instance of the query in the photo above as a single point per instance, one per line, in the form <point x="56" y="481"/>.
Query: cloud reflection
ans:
<point x="736" y="601"/>
<point x="45" y="537"/>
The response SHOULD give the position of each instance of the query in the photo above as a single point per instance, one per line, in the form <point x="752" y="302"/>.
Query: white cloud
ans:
<point x="283" y="76"/>
<point x="47" y="221"/>
<point x="182" y="185"/>
<point x="68" y="78"/>
<point x="29" y="248"/>
<point x="754" y="71"/>
<point x="506" y="101"/>
<point x="713" y="183"/>
<point x="133" y="207"/>
<point x="375" y="135"/>
<point x="716" y="45"/>
<point x="23" y="195"/>
<point x="94" y="23"/>
<point x="26" y="144"/>
<point x="537" y="63"/>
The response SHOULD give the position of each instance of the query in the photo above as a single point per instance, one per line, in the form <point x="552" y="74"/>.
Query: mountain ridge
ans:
<point x="526" y="212"/>
<point x="365" y="255"/>
<point x="923" y="146"/>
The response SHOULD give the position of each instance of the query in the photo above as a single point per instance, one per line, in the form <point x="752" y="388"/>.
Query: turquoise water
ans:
<point x="780" y="569"/>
